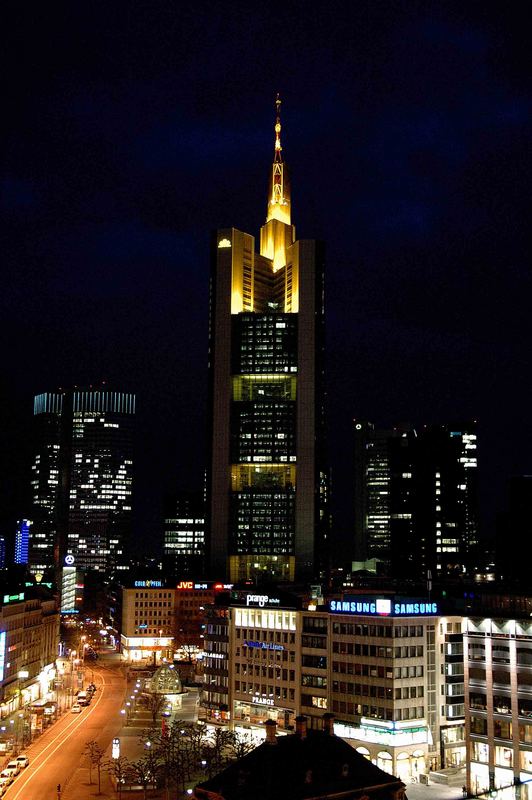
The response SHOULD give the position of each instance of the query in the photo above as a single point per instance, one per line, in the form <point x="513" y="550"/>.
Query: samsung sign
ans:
<point x="384" y="606"/>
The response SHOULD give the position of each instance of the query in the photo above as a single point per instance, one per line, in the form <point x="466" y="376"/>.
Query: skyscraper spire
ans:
<point x="278" y="158"/>
<point x="279" y="195"/>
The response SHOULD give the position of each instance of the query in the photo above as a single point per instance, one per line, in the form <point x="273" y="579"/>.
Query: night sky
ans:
<point x="131" y="130"/>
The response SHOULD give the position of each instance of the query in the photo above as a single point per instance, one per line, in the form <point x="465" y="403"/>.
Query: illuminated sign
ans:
<point x="2" y="653"/>
<point x="192" y="585"/>
<point x="262" y="701"/>
<point x="69" y="560"/>
<point x="224" y="243"/>
<point x="218" y="586"/>
<point x="148" y="584"/>
<point x="12" y="598"/>
<point x="263" y="645"/>
<point x="384" y="606"/>
<point x="262" y="600"/>
<point x="115" y="752"/>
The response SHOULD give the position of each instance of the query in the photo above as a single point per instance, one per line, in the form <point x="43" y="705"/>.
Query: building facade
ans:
<point x="29" y="639"/>
<point x="498" y="679"/>
<point x="389" y="669"/>
<point x="82" y="479"/>
<point x="266" y="479"/>
<point x="166" y="619"/>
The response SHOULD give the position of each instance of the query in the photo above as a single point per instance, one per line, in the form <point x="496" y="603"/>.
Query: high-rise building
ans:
<point x="375" y="492"/>
<point x="184" y="534"/>
<point x="266" y="479"/>
<point x="43" y="554"/>
<point x="82" y="479"/>
<point x="22" y="541"/>
<point x="416" y="498"/>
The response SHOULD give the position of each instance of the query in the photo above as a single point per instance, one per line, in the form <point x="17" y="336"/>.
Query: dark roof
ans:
<point x="316" y="766"/>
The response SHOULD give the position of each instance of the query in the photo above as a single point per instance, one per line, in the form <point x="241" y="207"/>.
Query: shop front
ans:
<point x="258" y="710"/>
<point x="147" y="649"/>
<point x="398" y="751"/>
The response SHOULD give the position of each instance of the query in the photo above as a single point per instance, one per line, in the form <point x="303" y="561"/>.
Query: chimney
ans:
<point x="271" y="730"/>
<point x="328" y="723"/>
<point x="301" y="726"/>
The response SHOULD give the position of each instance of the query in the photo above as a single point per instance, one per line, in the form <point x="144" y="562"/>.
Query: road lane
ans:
<point x="59" y="757"/>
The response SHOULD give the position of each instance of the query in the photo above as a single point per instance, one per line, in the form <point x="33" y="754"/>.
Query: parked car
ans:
<point x="6" y="777"/>
<point x="76" y="709"/>
<point x="13" y="766"/>
<point x="23" y="761"/>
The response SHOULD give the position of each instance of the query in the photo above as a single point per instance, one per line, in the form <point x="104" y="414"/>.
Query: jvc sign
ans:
<point x="384" y="606"/>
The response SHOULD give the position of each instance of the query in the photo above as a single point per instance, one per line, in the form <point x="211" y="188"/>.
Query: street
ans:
<point x="57" y="757"/>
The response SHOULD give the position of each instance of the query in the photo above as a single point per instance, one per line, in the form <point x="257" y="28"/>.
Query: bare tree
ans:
<point x="155" y="702"/>
<point x="217" y="750"/>
<point x="145" y="770"/>
<point x="118" y="768"/>
<point x="94" y="753"/>
<point x="240" y="746"/>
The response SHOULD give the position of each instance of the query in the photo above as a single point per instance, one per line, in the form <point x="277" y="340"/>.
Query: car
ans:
<point x="76" y="709"/>
<point x="6" y="777"/>
<point x="23" y="761"/>
<point x="13" y="766"/>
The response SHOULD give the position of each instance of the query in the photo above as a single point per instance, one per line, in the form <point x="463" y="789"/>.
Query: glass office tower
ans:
<point x="416" y="498"/>
<point x="83" y="475"/>
<point x="266" y="481"/>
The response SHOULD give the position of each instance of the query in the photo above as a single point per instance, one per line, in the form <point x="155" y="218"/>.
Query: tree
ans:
<point x="145" y="771"/>
<point x="155" y="703"/>
<point x="240" y="746"/>
<point x="119" y="769"/>
<point x="217" y="750"/>
<point x="94" y="753"/>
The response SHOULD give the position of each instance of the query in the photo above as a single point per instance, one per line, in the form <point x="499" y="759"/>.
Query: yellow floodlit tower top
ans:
<point x="279" y="199"/>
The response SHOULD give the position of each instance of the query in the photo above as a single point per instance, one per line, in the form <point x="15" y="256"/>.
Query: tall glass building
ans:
<point x="266" y="479"/>
<point x="416" y="498"/>
<point x="82" y="479"/>
<point x="184" y="534"/>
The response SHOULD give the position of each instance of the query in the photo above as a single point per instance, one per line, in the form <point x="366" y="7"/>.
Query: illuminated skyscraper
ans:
<point x="22" y="540"/>
<point x="45" y="481"/>
<point x="82" y="479"/>
<point x="184" y="534"/>
<point x="266" y="481"/>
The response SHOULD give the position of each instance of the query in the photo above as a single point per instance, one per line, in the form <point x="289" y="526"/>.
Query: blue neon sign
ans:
<point x="384" y="607"/>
